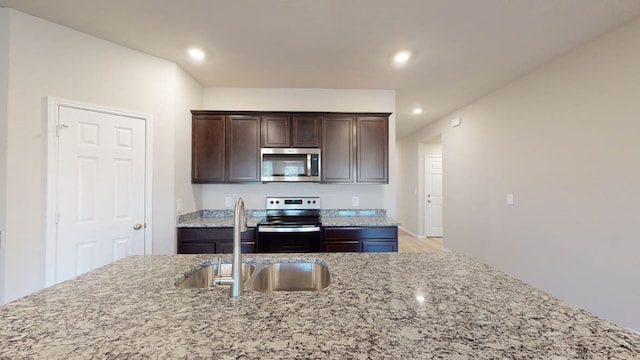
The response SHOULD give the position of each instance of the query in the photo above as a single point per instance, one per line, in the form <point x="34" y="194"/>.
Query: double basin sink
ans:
<point x="281" y="276"/>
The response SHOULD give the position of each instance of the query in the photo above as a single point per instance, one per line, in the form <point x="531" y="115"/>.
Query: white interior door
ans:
<point x="101" y="189"/>
<point x="433" y="196"/>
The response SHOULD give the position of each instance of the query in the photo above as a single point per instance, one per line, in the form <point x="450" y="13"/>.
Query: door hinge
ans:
<point x="58" y="127"/>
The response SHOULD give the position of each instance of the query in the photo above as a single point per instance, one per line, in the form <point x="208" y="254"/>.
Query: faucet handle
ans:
<point x="219" y="271"/>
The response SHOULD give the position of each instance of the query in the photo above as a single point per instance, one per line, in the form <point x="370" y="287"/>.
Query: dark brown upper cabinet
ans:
<point x="299" y="131"/>
<point x="306" y="131"/>
<point x="243" y="148"/>
<point x="338" y="148"/>
<point x="226" y="144"/>
<point x="225" y="148"/>
<point x="276" y="131"/>
<point x="208" y="149"/>
<point x="372" y="158"/>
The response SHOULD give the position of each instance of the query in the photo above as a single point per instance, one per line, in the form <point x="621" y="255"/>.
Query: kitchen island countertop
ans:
<point x="378" y="306"/>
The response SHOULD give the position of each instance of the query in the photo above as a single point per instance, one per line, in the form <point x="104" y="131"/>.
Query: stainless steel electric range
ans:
<point x="292" y="225"/>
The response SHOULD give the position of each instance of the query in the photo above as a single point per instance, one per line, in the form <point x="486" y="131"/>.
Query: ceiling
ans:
<point x="461" y="49"/>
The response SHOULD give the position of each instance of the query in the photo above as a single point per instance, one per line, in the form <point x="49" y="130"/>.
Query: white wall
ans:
<point x="4" y="112"/>
<point x="333" y="196"/>
<point x="188" y="97"/>
<point x="50" y="60"/>
<point x="564" y="141"/>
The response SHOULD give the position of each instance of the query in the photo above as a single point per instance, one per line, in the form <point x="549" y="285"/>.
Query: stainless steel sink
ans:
<point x="291" y="277"/>
<point x="203" y="278"/>
<point x="282" y="276"/>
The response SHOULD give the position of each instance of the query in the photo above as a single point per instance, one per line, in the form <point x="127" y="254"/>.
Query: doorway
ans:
<point x="431" y="201"/>
<point x="98" y="188"/>
<point x="433" y="194"/>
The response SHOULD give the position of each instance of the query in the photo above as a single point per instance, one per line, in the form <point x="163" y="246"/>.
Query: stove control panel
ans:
<point x="295" y="203"/>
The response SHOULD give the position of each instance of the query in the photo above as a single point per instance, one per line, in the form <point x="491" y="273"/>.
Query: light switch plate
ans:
<point x="509" y="199"/>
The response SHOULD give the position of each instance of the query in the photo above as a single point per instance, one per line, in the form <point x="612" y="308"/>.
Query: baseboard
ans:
<point x="409" y="232"/>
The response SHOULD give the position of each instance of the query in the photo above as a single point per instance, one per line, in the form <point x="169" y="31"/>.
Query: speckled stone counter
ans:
<point x="217" y="218"/>
<point x="359" y="217"/>
<point x="378" y="306"/>
<point x="359" y="221"/>
<point x="330" y="217"/>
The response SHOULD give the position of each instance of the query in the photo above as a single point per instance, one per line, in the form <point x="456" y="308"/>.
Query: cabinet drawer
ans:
<point x="208" y="234"/>
<point x="379" y="246"/>
<point x="341" y="246"/>
<point x="226" y="247"/>
<point x="197" y="248"/>
<point x="359" y="233"/>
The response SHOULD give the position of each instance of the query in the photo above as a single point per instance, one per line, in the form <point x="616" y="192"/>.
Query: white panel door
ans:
<point x="433" y="194"/>
<point x="101" y="190"/>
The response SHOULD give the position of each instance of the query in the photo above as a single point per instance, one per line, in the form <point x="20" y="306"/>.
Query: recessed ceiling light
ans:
<point x="196" y="54"/>
<point x="401" y="58"/>
<point x="417" y="111"/>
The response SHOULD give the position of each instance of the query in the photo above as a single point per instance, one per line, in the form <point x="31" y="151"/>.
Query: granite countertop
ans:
<point x="359" y="221"/>
<point x="330" y="217"/>
<point x="378" y="306"/>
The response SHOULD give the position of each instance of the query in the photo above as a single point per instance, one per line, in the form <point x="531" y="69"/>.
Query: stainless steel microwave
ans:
<point x="290" y="164"/>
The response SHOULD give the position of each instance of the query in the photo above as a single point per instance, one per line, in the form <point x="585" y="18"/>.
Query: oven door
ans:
<point x="289" y="239"/>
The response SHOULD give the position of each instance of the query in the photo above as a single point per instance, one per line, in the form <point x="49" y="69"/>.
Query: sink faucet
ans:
<point x="239" y="226"/>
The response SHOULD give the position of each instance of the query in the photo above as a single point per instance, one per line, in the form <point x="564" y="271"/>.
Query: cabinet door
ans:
<point x="338" y="149"/>
<point x="208" y="149"/>
<point x="275" y="131"/>
<point x="372" y="150"/>
<point x="306" y="131"/>
<point x="243" y="148"/>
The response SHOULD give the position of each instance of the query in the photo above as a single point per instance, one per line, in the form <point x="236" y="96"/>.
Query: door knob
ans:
<point x="137" y="226"/>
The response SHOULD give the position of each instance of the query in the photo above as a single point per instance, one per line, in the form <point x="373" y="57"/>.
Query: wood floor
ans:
<point x="409" y="243"/>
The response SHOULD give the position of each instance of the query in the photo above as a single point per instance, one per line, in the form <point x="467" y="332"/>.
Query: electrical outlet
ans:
<point x="356" y="201"/>
<point x="227" y="201"/>
<point x="179" y="205"/>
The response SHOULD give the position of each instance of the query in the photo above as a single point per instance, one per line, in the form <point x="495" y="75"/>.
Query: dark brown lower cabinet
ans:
<point x="219" y="240"/>
<point x="360" y="239"/>
<point x="341" y="246"/>
<point x="213" y="241"/>
<point x="378" y="245"/>
<point x="226" y="247"/>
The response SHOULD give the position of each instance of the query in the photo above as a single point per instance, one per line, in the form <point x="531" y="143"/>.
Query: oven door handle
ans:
<point x="272" y="229"/>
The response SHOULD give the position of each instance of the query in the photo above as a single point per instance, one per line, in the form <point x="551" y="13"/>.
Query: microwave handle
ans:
<point x="308" y="170"/>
